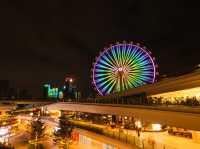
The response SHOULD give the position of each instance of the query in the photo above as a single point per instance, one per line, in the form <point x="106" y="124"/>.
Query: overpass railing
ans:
<point x="188" y="107"/>
<point x="146" y="101"/>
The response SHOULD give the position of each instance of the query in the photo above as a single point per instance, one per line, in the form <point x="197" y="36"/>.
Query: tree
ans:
<point x="64" y="131"/>
<point x="37" y="129"/>
<point x="65" y="128"/>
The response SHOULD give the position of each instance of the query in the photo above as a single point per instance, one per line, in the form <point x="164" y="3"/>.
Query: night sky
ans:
<point x="44" y="40"/>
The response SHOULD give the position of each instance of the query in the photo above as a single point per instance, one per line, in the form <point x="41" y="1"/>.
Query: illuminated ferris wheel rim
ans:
<point x="136" y="45"/>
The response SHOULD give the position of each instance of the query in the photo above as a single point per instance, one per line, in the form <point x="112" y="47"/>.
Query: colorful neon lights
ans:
<point x="123" y="66"/>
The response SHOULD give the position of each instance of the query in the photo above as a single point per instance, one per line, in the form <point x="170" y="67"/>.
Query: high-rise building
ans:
<point x="7" y="88"/>
<point x="4" y="88"/>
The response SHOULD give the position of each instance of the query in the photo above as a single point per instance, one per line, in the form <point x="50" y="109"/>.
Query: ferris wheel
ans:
<point x="123" y="66"/>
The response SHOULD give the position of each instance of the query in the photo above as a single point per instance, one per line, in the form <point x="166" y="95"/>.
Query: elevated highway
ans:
<point x="8" y="105"/>
<point x="179" y="116"/>
<point x="27" y="101"/>
<point x="183" y="117"/>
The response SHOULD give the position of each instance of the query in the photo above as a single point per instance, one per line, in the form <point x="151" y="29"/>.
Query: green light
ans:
<point x="52" y="92"/>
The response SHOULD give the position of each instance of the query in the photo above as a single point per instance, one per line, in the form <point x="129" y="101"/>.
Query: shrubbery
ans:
<point x="179" y="101"/>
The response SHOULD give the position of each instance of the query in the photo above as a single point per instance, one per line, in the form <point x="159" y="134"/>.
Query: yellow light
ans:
<point x="19" y="121"/>
<point x="120" y="69"/>
<point x="138" y="124"/>
<point x="156" y="127"/>
<point x="193" y="92"/>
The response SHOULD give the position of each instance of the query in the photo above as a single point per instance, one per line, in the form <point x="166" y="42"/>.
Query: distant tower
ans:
<point x="46" y="88"/>
<point x="67" y="89"/>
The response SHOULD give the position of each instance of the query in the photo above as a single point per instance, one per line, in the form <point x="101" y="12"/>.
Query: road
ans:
<point x="94" y="141"/>
<point x="87" y="140"/>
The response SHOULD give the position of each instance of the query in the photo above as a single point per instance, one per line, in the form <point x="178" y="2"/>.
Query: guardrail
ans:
<point x="174" y="108"/>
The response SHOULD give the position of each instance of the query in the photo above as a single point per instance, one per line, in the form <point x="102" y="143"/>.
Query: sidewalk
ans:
<point x="98" y="141"/>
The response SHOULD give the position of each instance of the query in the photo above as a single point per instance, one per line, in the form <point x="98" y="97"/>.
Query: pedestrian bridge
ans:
<point x="178" y="116"/>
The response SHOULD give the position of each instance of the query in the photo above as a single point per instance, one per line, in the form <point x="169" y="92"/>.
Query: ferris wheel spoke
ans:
<point x="142" y="60"/>
<point x="100" y="80"/>
<point x="127" y="54"/>
<point x="101" y="70"/>
<point x="111" y="88"/>
<point x="140" y="64"/>
<point x="103" y="83"/>
<point x="115" y="55"/>
<point x="101" y="66"/>
<point x="138" y="57"/>
<point x="124" y="54"/>
<point x="105" y="76"/>
<point x="126" y="83"/>
<point x="103" y="62"/>
<point x="136" y="79"/>
<point x="109" y="61"/>
<point x="130" y="83"/>
<point x="102" y="75"/>
<point x="132" y="55"/>
<point x="123" y="58"/>
<point x="134" y="82"/>
<point x="112" y="61"/>
<point x="112" y="56"/>
<point x="107" y="86"/>
<point x="118" y="54"/>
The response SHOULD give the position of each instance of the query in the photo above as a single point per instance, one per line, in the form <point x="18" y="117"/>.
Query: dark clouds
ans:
<point x="48" y="39"/>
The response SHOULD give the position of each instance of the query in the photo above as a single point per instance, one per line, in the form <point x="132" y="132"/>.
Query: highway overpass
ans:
<point x="183" y="117"/>
<point x="8" y="105"/>
<point x="27" y="101"/>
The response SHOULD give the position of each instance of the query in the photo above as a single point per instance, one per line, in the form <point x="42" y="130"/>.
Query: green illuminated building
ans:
<point x="50" y="92"/>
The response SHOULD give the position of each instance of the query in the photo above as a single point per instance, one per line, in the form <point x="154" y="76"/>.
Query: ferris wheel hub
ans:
<point x="120" y="69"/>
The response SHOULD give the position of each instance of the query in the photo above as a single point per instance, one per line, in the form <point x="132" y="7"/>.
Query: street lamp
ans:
<point x="68" y="87"/>
<point x="138" y="125"/>
<point x="70" y="80"/>
<point x="156" y="127"/>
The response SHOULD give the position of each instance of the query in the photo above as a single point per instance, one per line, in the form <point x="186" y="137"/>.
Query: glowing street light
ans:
<point x="69" y="79"/>
<point x="138" y="124"/>
<point x="156" y="127"/>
